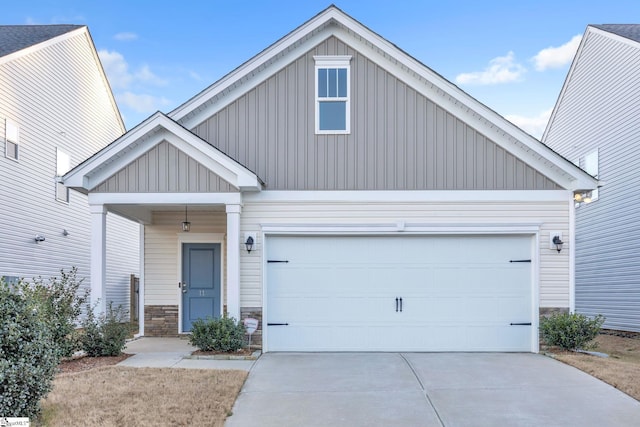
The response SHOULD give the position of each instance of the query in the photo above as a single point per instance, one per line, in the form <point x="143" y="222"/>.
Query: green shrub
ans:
<point x="61" y="303"/>
<point x="224" y="334"/>
<point x="105" y="334"/>
<point x="28" y="356"/>
<point x="570" y="331"/>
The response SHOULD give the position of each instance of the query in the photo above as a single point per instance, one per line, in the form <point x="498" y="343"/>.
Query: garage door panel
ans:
<point x="458" y="293"/>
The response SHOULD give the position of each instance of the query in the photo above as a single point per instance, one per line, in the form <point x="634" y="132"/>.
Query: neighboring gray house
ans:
<point x="596" y="124"/>
<point x="348" y="196"/>
<point x="56" y="109"/>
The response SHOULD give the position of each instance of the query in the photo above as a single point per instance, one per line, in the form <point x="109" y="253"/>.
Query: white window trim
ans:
<point x="8" y="123"/>
<point x="342" y="61"/>
<point x="62" y="167"/>
<point x="596" y="155"/>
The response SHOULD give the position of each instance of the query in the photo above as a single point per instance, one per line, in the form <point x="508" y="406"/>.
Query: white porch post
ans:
<point x="98" y="257"/>
<point x="233" y="261"/>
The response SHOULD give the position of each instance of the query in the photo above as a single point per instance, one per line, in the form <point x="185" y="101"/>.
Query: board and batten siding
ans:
<point x="58" y="98"/>
<point x="161" y="251"/>
<point x="599" y="110"/>
<point x="551" y="216"/>
<point x="399" y="139"/>
<point x="164" y="169"/>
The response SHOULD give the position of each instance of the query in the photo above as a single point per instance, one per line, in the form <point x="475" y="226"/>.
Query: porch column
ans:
<point x="233" y="261"/>
<point x="98" y="257"/>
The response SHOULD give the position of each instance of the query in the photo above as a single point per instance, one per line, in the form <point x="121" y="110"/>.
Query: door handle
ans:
<point x="184" y="287"/>
<point x="396" y="305"/>
<point x="400" y="304"/>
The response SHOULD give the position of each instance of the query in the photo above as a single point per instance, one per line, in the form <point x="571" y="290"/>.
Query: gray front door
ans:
<point x="200" y="282"/>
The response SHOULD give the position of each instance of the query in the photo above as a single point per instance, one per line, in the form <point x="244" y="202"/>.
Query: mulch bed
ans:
<point x="241" y="352"/>
<point x="85" y="363"/>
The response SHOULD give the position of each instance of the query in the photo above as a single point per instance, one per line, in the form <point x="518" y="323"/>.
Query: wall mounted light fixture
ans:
<point x="186" y="225"/>
<point x="582" y="197"/>
<point x="557" y="241"/>
<point x="39" y="238"/>
<point x="249" y="244"/>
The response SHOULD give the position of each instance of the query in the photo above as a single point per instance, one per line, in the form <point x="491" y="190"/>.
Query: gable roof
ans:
<point x="152" y="132"/>
<point x="624" y="33"/>
<point x="14" y="38"/>
<point x="630" y="31"/>
<point x="333" y="22"/>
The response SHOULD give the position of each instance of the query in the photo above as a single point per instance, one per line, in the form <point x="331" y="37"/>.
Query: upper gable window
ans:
<point x="332" y="94"/>
<point x="12" y="138"/>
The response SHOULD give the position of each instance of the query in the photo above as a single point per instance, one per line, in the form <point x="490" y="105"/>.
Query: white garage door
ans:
<point x="409" y="293"/>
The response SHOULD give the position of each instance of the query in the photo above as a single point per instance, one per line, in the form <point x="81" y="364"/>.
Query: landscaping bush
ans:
<point x="28" y="354"/>
<point x="570" y="331"/>
<point x="105" y="334"/>
<point x="61" y="303"/>
<point x="224" y="334"/>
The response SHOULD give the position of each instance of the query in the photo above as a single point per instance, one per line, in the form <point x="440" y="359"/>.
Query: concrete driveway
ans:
<point x="426" y="389"/>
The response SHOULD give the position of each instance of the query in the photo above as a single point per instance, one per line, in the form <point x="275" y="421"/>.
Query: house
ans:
<point x="56" y="109"/>
<point x="595" y="124"/>
<point x="348" y="197"/>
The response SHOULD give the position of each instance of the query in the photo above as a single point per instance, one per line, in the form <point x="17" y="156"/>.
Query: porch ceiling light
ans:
<point x="583" y="197"/>
<point x="249" y="244"/>
<point x="186" y="225"/>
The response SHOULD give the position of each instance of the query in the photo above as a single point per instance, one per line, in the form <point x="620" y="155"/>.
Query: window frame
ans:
<point x="593" y="159"/>
<point x="15" y="142"/>
<point x="63" y="165"/>
<point x="332" y="62"/>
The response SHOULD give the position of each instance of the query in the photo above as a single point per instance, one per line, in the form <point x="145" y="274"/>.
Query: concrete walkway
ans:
<point x="426" y="389"/>
<point x="170" y="353"/>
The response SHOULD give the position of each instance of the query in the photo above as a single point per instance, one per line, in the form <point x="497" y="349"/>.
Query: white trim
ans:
<point x="400" y="228"/>
<point x="151" y="132"/>
<point x="535" y="293"/>
<point x="233" y="260"/>
<point x="199" y="238"/>
<point x="98" y="261"/>
<point x="410" y="196"/>
<point x="166" y="198"/>
<point x="572" y="257"/>
<point x="141" y="292"/>
<point x="531" y="230"/>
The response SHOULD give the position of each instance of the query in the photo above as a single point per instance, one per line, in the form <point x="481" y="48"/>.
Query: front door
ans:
<point x="200" y="282"/>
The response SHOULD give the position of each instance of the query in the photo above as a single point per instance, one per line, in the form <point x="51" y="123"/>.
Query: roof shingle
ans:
<point x="629" y="31"/>
<point x="17" y="37"/>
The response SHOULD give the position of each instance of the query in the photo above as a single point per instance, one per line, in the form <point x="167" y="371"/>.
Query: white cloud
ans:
<point x="502" y="69"/>
<point x="125" y="36"/>
<point x="533" y="125"/>
<point x="120" y="77"/>
<point x="142" y="103"/>
<point x="145" y="75"/>
<point x="116" y="68"/>
<point x="556" y="57"/>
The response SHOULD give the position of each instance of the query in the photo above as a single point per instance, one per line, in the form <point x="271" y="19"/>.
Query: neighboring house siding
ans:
<point x="399" y="139"/>
<point x="59" y="99"/>
<point x="164" y="169"/>
<point x="161" y="251"/>
<point x="550" y="216"/>
<point x="599" y="109"/>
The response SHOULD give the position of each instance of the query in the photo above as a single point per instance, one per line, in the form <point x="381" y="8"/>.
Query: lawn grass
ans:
<point x="122" y="396"/>
<point x="621" y="369"/>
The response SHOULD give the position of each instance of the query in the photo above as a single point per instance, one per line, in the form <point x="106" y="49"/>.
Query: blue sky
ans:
<point x="511" y="55"/>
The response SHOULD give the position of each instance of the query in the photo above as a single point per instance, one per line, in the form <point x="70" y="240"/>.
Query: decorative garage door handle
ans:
<point x="277" y="324"/>
<point x="399" y="304"/>
<point x="520" y="260"/>
<point x="520" y="324"/>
